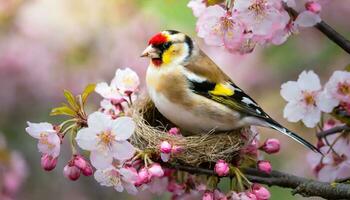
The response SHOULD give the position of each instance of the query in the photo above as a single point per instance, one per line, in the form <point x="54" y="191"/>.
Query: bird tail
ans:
<point x="274" y="125"/>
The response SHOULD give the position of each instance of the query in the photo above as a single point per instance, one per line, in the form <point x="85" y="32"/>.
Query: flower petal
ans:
<point x="100" y="160"/>
<point x="312" y="117"/>
<point x="309" y="81"/>
<point x="35" y="129"/>
<point x="293" y="112"/>
<point x="99" y="122"/>
<point x="130" y="188"/>
<point x="123" y="127"/>
<point x="123" y="150"/>
<point x="326" y="103"/>
<point x="290" y="91"/>
<point x="87" y="139"/>
<point x="307" y="19"/>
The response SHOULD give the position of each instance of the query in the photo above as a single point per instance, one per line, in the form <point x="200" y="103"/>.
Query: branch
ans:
<point x="327" y="30"/>
<point x="332" y="131"/>
<point x="303" y="186"/>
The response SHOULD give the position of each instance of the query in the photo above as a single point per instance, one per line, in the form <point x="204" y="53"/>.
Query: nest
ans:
<point x="152" y="129"/>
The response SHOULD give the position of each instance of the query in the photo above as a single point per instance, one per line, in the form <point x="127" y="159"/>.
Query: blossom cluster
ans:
<point x="308" y="101"/>
<point x="244" y="24"/>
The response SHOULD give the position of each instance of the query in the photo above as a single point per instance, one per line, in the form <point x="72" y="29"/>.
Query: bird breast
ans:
<point x="194" y="114"/>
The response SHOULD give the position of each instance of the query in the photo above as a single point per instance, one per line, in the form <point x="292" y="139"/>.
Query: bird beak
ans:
<point x="150" y="52"/>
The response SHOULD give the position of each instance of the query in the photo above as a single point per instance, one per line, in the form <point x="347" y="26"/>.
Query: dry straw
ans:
<point x="206" y="148"/>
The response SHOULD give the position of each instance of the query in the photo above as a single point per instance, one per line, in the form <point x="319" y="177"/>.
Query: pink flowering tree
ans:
<point x="100" y="140"/>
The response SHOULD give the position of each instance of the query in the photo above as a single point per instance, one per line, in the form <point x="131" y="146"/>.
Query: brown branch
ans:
<point x="303" y="186"/>
<point x="327" y="30"/>
<point x="332" y="131"/>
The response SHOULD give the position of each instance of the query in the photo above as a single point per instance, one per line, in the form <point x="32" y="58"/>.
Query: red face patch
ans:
<point x="158" y="39"/>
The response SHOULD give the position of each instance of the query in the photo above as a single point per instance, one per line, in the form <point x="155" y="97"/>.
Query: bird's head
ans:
<point x="169" y="48"/>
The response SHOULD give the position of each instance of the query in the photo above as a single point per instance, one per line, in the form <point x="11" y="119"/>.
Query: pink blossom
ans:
<point x="176" y="188"/>
<point x="222" y="168"/>
<point x="197" y="6"/>
<point x="120" y="179"/>
<point x="218" y="195"/>
<point x="49" y="141"/>
<point x="304" y="100"/>
<point x="71" y="172"/>
<point x="260" y="192"/>
<point x="338" y="88"/>
<point x="106" y="139"/>
<point x="271" y="146"/>
<point x="243" y="196"/>
<point x="264" y="166"/>
<point x="48" y="162"/>
<point x="84" y="166"/>
<point x="155" y="170"/>
<point x="260" y="16"/>
<point x="177" y="149"/>
<point x="219" y="27"/>
<point x="14" y="174"/>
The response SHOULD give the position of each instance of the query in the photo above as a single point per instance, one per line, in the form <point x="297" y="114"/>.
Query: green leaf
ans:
<point x="63" y="110"/>
<point x="87" y="91"/>
<point x="71" y="100"/>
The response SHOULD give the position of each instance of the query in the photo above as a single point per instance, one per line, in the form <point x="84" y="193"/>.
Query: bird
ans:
<point x="191" y="91"/>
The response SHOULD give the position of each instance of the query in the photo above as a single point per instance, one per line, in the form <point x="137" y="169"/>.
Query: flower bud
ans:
<point x="143" y="177"/>
<point x="313" y="7"/>
<point x="87" y="171"/>
<point x="221" y="168"/>
<point x="271" y="146"/>
<point x="208" y="195"/>
<point x="48" y="163"/>
<point x="260" y="192"/>
<point x="177" y="149"/>
<point x="156" y="170"/>
<point x="165" y="147"/>
<point x="174" y="131"/>
<point x="79" y="162"/>
<point x="71" y="172"/>
<point x="264" y="166"/>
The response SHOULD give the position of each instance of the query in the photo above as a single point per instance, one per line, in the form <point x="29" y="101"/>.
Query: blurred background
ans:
<point x="50" y="45"/>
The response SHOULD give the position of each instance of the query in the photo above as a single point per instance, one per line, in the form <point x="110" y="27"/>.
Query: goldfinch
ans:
<point x="190" y="90"/>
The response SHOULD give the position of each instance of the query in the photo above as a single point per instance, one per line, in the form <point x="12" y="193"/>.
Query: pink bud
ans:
<point x="260" y="192"/>
<point x="271" y="146"/>
<point x="79" y="161"/>
<point x="48" y="163"/>
<point x="177" y="149"/>
<point x="143" y="177"/>
<point x="264" y="166"/>
<point x="313" y="7"/>
<point x="156" y="170"/>
<point x="165" y="147"/>
<point x="208" y="195"/>
<point x="87" y="171"/>
<point x="174" y="131"/>
<point x="71" y="172"/>
<point x="221" y="168"/>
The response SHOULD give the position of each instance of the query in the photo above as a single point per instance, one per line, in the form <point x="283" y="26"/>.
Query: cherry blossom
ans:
<point x="49" y="141"/>
<point x="126" y="80"/>
<point x="338" y="87"/>
<point x="307" y="19"/>
<point x="106" y="139"/>
<point x="120" y="179"/>
<point x="222" y="168"/>
<point x="219" y="27"/>
<point x="48" y="162"/>
<point x="336" y="163"/>
<point x="304" y="100"/>
<point x="264" y="166"/>
<point x="271" y="146"/>
<point x="110" y="92"/>
<point x="261" y="16"/>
